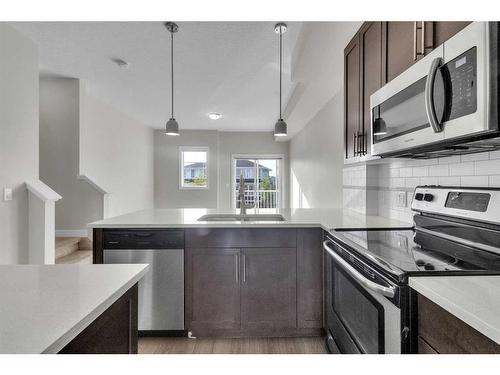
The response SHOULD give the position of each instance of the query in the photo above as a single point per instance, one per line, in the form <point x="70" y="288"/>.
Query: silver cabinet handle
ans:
<point x="429" y="95"/>
<point x="388" y="291"/>
<point x="244" y="269"/>
<point x="236" y="267"/>
<point x="354" y="143"/>
<point x="415" y="41"/>
<point x="423" y="38"/>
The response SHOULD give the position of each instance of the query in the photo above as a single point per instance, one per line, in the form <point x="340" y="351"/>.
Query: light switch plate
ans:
<point x="7" y="194"/>
<point x="401" y="202"/>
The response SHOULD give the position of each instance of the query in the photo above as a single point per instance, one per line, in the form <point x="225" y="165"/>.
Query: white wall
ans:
<point x="18" y="139"/>
<point x="316" y="159"/>
<point x="222" y="146"/>
<point x="314" y="114"/>
<point x="59" y="152"/>
<point x="116" y="153"/>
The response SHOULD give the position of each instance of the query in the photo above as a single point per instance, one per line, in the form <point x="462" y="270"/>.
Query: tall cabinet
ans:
<point x="378" y="53"/>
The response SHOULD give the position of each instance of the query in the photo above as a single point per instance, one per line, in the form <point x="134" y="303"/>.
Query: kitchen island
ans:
<point x="255" y="278"/>
<point x="69" y="308"/>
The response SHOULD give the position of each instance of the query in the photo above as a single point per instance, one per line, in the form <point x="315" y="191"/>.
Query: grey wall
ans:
<point x="166" y="170"/>
<point x="18" y="139"/>
<point x="222" y="146"/>
<point x="316" y="107"/>
<point x="116" y="153"/>
<point x="59" y="152"/>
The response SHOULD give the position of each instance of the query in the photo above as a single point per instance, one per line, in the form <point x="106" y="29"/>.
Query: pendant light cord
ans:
<point x="280" y="67"/>
<point x="172" y="68"/>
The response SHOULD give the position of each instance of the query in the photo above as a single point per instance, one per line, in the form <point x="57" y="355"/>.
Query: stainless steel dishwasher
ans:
<point x="161" y="291"/>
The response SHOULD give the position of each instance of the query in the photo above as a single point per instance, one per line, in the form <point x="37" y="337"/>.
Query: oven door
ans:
<point x="443" y="97"/>
<point x="361" y="313"/>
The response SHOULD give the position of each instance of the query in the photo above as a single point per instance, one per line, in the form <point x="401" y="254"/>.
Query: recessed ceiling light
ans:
<point x="121" y="63"/>
<point x="214" y="116"/>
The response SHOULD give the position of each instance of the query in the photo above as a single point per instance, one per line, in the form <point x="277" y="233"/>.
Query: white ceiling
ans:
<point x="226" y="67"/>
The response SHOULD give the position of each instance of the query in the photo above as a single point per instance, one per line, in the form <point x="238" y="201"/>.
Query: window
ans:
<point x="262" y="179"/>
<point x="193" y="167"/>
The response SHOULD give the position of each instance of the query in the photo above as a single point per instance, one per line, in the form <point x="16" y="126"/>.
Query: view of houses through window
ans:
<point x="262" y="184"/>
<point x="194" y="172"/>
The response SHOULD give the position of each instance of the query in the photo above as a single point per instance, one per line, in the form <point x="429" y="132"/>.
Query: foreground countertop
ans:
<point x="44" y="307"/>
<point x="473" y="299"/>
<point x="327" y="218"/>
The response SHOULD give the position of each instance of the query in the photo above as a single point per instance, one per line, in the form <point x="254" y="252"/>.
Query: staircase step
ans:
<point x="76" y="257"/>
<point x="66" y="246"/>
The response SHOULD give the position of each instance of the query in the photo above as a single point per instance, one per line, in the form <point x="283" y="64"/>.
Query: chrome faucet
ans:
<point x="241" y="197"/>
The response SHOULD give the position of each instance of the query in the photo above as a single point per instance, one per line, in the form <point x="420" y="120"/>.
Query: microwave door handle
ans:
<point x="429" y="95"/>
<point x="388" y="291"/>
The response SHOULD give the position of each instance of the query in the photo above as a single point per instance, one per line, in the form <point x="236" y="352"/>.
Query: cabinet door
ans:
<point x="399" y="48"/>
<point x="309" y="278"/>
<point x="212" y="290"/>
<point x="444" y="30"/>
<point x="370" y="36"/>
<point x="268" y="289"/>
<point x="351" y="95"/>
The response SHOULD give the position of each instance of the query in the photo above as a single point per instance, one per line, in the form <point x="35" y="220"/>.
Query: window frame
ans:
<point x="281" y="170"/>
<point x="183" y="149"/>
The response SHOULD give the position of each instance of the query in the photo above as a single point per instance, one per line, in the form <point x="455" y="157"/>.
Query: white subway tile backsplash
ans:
<point x="494" y="181"/>
<point x="420" y="171"/>
<point x="474" y="157"/>
<point x="450" y="159"/>
<point x="449" y="181"/>
<point x="488" y="167"/>
<point x="439" y="170"/>
<point x="397" y="182"/>
<point x="411" y="182"/>
<point x="429" y="180"/>
<point x="495" y="154"/>
<point x="394" y="172"/>
<point x="462" y="169"/>
<point x="474" y="181"/>
<point x="405" y="172"/>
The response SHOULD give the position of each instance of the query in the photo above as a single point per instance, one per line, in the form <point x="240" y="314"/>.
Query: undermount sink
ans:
<point x="237" y="217"/>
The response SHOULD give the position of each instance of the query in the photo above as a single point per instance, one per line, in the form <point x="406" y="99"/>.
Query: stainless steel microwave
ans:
<point x="446" y="103"/>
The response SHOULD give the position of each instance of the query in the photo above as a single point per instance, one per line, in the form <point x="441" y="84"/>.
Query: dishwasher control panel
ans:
<point x="143" y="239"/>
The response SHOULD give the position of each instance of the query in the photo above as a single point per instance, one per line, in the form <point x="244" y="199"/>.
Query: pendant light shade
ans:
<point x="172" y="127"/>
<point x="280" y="128"/>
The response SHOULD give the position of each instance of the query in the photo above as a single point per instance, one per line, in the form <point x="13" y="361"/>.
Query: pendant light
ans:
<point x="280" y="128"/>
<point x="172" y="127"/>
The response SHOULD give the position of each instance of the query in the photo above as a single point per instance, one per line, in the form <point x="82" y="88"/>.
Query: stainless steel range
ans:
<point x="369" y="306"/>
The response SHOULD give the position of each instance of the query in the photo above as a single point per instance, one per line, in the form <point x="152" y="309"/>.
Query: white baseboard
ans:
<point x="72" y="233"/>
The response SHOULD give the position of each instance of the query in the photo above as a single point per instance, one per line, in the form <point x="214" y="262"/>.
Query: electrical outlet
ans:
<point x="7" y="194"/>
<point x="401" y="199"/>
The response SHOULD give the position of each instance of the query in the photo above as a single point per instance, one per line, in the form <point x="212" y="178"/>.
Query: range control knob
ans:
<point x="419" y="196"/>
<point x="428" y="197"/>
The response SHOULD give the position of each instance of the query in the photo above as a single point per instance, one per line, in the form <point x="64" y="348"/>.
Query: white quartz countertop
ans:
<point x="473" y="299"/>
<point x="327" y="218"/>
<point x="43" y="307"/>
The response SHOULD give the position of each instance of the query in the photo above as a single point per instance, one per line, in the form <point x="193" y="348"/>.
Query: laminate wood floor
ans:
<point x="261" y="345"/>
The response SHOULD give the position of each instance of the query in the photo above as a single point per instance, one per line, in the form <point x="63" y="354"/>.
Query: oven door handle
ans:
<point x="429" y="95"/>
<point x="388" y="291"/>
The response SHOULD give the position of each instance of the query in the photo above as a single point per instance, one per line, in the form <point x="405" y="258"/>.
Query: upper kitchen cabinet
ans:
<point x="363" y="76"/>
<point x="407" y="42"/>
<point x="378" y="53"/>
<point x="351" y="96"/>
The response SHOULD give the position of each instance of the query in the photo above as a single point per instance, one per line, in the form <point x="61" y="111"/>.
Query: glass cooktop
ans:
<point x="404" y="252"/>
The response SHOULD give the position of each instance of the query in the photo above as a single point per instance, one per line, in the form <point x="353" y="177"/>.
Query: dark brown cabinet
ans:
<point x="379" y="52"/>
<point x="268" y="289"/>
<point x="214" y="298"/>
<point x="351" y="97"/>
<point x="440" y="332"/>
<point x="250" y="289"/>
